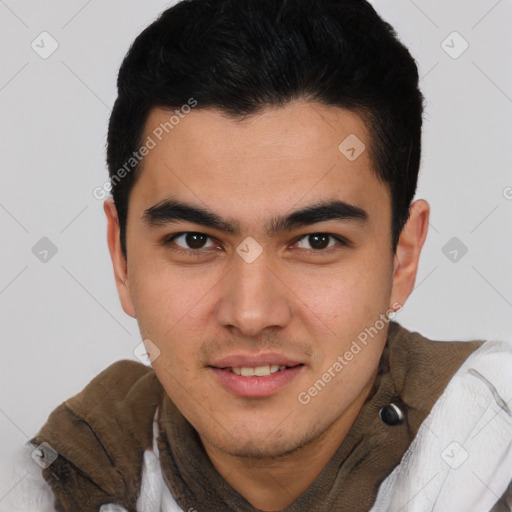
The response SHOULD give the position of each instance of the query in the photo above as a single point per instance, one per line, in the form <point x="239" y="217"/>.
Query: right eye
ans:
<point x="191" y="241"/>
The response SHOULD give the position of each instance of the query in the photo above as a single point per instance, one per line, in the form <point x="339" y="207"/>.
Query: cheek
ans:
<point x="171" y="307"/>
<point x="339" y="306"/>
<point x="352" y="294"/>
<point x="166" y="295"/>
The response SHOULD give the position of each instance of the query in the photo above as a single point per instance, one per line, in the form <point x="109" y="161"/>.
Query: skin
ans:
<point x="307" y="303"/>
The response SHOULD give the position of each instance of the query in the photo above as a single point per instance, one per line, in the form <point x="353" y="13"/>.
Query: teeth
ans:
<point x="259" y="371"/>
<point x="247" y="372"/>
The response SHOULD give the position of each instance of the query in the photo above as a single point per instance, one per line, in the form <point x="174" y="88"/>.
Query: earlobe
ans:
<point x="119" y="262"/>
<point x="408" y="252"/>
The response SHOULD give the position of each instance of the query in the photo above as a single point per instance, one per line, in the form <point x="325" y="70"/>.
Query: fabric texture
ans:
<point x="103" y="433"/>
<point x="461" y="458"/>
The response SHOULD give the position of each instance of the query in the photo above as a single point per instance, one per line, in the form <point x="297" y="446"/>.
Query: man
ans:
<point x="263" y="157"/>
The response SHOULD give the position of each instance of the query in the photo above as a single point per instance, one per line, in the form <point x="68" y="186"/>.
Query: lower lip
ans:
<point x="256" y="387"/>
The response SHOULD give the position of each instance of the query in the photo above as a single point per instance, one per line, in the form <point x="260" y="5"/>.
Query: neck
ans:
<point x="271" y="484"/>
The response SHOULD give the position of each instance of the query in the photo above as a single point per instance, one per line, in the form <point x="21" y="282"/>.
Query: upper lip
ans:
<point x="254" y="360"/>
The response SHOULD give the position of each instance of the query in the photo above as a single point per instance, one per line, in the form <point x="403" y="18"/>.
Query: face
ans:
<point x="258" y="246"/>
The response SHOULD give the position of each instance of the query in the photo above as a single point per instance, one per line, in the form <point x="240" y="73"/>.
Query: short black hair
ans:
<point x="242" y="56"/>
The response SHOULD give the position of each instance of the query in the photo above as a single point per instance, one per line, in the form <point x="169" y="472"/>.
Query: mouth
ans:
<point x="256" y="381"/>
<point x="258" y="371"/>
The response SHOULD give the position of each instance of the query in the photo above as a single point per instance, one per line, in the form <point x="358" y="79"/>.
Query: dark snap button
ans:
<point x="391" y="415"/>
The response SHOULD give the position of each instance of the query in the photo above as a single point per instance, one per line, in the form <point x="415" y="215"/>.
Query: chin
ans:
<point x="261" y="449"/>
<point x="267" y="442"/>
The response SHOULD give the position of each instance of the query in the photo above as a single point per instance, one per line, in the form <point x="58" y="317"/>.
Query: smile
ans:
<point x="255" y="381"/>
<point x="258" y="371"/>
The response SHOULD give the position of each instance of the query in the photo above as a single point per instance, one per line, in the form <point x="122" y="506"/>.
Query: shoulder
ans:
<point x="123" y="395"/>
<point x="485" y="380"/>
<point x="98" y="438"/>
<point x="485" y="377"/>
<point x="421" y="368"/>
<point x="464" y="443"/>
<point x="430" y="358"/>
<point x="494" y="356"/>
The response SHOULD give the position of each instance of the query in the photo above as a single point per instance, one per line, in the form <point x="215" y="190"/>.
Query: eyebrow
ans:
<point x="170" y="210"/>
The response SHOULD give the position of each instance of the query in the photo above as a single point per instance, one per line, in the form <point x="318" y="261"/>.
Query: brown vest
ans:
<point x="101" y="433"/>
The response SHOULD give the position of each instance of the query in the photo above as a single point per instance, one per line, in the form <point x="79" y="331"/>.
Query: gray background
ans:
<point x="61" y="321"/>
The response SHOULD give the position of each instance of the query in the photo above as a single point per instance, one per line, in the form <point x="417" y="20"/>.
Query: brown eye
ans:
<point x="195" y="240"/>
<point x="192" y="240"/>
<point x="317" y="241"/>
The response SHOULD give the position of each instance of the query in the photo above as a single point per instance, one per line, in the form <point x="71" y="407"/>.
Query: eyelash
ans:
<point x="198" y="252"/>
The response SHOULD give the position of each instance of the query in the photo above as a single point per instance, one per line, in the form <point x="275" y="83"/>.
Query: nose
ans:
<point x="254" y="298"/>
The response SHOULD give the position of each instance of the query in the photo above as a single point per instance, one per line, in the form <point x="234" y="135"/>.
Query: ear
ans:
<point x="118" y="260"/>
<point x="408" y="252"/>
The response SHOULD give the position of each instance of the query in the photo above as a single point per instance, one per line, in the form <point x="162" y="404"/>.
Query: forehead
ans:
<point x="282" y="157"/>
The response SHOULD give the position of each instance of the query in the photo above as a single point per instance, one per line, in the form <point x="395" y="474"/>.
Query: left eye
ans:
<point x="192" y="240"/>
<point x="317" y="241"/>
